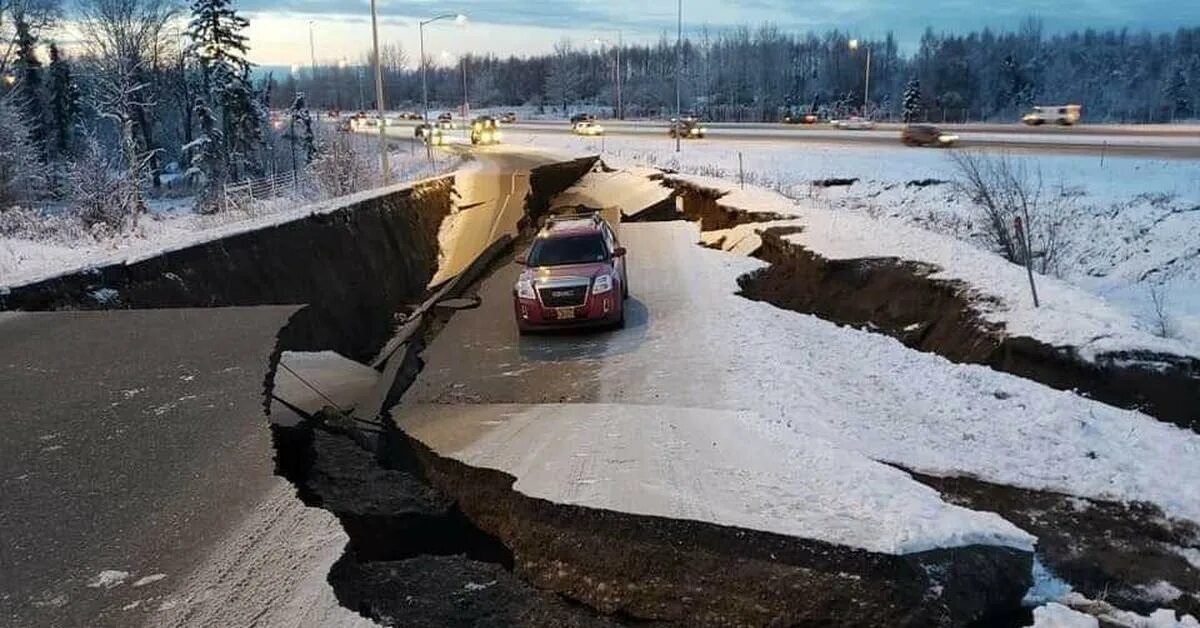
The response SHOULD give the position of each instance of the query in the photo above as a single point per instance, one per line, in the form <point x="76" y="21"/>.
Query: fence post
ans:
<point x="741" y="171"/>
<point x="1023" y="242"/>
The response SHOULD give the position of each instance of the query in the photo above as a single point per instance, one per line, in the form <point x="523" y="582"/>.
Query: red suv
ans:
<point x="574" y="276"/>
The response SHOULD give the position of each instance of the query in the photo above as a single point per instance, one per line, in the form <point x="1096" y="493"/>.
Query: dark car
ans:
<point x="926" y="135"/>
<point x="801" y="118"/>
<point x="508" y="118"/>
<point x="574" y="276"/>
<point x="687" y="128"/>
<point x="582" y="117"/>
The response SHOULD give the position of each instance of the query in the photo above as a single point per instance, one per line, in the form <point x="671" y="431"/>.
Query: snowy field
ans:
<point x="38" y="253"/>
<point x="1135" y="231"/>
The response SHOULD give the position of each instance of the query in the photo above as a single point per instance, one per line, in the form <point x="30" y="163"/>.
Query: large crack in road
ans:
<point x="499" y="492"/>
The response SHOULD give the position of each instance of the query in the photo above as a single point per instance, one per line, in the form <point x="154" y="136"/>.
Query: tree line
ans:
<point x="760" y="74"/>
<point x="156" y="94"/>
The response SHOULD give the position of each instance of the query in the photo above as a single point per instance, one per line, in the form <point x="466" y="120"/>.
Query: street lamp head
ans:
<point x="460" y="19"/>
<point x="854" y="44"/>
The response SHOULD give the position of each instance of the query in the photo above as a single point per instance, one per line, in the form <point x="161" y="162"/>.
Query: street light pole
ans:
<point x="312" y="51"/>
<point x="678" y="72"/>
<point x="383" y="156"/>
<point x="466" y="104"/>
<point x="457" y="17"/>
<point x="620" y="107"/>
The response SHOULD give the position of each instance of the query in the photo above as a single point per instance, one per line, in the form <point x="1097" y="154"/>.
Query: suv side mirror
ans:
<point x="521" y="260"/>
<point x="619" y="252"/>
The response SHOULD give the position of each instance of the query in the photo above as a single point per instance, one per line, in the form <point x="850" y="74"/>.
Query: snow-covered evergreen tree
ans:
<point x="63" y="101"/>
<point x="209" y="170"/>
<point x="912" y="99"/>
<point x="1175" y="92"/>
<point x="219" y="48"/>
<point x="300" y="130"/>
<point x="29" y="69"/>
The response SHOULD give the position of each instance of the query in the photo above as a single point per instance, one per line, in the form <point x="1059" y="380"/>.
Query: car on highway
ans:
<point x="926" y="135"/>
<point x="408" y="115"/>
<point x="508" y="118"/>
<point x="484" y="130"/>
<point x="587" y="128"/>
<point x="1066" y="115"/>
<point x="688" y="128"/>
<point x="854" y="123"/>
<point x="801" y="118"/>
<point x="582" y="117"/>
<point x="445" y="121"/>
<point x="430" y="134"/>
<point x="574" y="275"/>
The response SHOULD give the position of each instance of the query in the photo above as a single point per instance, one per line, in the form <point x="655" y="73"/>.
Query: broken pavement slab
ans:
<point x="309" y="381"/>
<point x="670" y="493"/>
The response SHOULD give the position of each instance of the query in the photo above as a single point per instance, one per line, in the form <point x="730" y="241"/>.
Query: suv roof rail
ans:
<point x="594" y="215"/>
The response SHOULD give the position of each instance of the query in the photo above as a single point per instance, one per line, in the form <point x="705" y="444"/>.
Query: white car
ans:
<point x="587" y="128"/>
<point x="854" y="123"/>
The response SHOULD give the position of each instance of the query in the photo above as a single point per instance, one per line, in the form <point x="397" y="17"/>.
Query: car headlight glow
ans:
<point x="603" y="283"/>
<point x="525" y="290"/>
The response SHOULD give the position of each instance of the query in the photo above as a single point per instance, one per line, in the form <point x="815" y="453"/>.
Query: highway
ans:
<point x="1163" y="141"/>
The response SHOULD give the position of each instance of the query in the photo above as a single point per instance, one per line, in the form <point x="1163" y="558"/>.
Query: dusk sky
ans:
<point x="279" y="28"/>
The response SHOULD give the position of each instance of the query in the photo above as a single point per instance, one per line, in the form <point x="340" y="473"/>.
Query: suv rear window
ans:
<point x="579" y="249"/>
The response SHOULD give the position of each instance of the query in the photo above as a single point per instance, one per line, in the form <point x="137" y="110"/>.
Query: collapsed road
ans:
<point x="716" y="462"/>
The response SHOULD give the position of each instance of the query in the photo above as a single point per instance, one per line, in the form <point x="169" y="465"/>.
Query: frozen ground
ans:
<point x="1137" y="226"/>
<point x="170" y="225"/>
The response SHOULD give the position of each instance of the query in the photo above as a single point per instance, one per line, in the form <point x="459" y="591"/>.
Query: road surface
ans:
<point x="133" y="441"/>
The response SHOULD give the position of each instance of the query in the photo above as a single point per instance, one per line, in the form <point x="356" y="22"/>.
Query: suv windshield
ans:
<point x="580" y="249"/>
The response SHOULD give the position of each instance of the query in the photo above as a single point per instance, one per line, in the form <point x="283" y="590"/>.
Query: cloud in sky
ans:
<point x="525" y="26"/>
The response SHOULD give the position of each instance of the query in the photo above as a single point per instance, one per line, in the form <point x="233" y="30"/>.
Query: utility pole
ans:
<point x="312" y="50"/>
<point x="466" y="104"/>
<point x="383" y="156"/>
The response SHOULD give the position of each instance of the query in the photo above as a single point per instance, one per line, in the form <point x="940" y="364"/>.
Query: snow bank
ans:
<point x="1056" y="615"/>
<point x="1068" y="316"/>
<point x="168" y="228"/>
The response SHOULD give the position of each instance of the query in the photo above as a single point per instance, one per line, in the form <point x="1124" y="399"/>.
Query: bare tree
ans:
<point x="130" y="41"/>
<point x="1005" y="190"/>
<point x="1164" y="327"/>
<point x="119" y="96"/>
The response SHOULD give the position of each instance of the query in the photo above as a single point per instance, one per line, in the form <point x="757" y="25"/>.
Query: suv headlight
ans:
<point x="603" y="283"/>
<point x="525" y="290"/>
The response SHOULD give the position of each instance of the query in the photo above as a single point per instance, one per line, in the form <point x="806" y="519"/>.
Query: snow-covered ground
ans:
<point x="1068" y="315"/>
<point x="1136" y="231"/>
<point x="171" y="225"/>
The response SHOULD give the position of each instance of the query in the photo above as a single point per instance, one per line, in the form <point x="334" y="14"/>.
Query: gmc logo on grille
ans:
<point x="562" y="293"/>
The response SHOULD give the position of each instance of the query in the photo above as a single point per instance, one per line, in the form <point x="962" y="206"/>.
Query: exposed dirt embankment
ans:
<point x="354" y="265"/>
<point x="901" y="299"/>
<point x="1120" y="553"/>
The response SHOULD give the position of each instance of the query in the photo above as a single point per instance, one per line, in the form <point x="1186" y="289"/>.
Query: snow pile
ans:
<point x="1056" y="615"/>
<point x="1068" y="316"/>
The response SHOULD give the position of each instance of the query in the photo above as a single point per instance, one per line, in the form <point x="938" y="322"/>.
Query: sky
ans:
<point x="342" y="28"/>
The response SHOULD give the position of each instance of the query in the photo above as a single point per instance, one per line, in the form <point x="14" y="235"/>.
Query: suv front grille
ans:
<point x="563" y="296"/>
